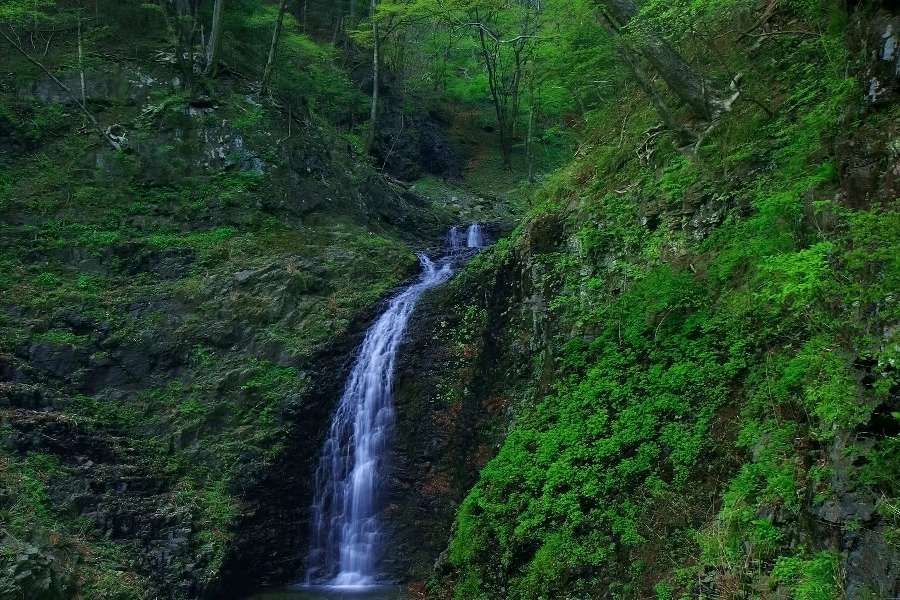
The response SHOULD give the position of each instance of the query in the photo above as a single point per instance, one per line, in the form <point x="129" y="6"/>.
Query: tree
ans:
<point x="215" y="35"/>
<point x="186" y="25"/>
<point x="373" y="112"/>
<point x="505" y="60"/>
<point x="387" y="19"/>
<point x="503" y="35"/>
<point x="14" y="15"/>
<point x="273" y="48"/>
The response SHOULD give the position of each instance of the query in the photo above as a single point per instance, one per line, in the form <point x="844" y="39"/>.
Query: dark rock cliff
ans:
<point x="462" y="368"/>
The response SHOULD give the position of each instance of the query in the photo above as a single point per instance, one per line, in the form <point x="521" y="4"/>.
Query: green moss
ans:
<point x="813" y="578"/>
<point x="61" y="337"/>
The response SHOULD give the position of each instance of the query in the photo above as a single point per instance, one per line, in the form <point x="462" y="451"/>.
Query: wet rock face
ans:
<point x="122" y="85"/>
<point x="272" y="538"/>
<point x="102" y="481"/>
<point x="872" y="565"/>
<point x="849" y="518"/>
<point x="117" y="488"/>
<point x="455" y="377"/>
<point x="196" y="140"/>
<point x="58" y="360"/>
<point x="869" y="165"/>
<point x="102" y="478"/>
<point x="881" y="39"/>
<point x="870" y="156"/>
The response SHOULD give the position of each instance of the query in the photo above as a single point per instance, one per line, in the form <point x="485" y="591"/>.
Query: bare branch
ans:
<point x="114" y="144"/>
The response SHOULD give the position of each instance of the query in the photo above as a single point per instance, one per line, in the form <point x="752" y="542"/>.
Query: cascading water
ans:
<point x="475" y="236"/>
<point x="472" y="238"/>
<point x="455" y="240"/>
<point x="346" y="535"/>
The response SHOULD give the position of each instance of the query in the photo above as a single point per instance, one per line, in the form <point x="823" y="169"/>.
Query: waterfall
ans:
<point x="475" y="236"/>
<point x="455" y="240"/>
<point x="346" y="534"/>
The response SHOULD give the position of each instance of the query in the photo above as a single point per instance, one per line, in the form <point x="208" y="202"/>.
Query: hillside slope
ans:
<point x="697" y="345"/>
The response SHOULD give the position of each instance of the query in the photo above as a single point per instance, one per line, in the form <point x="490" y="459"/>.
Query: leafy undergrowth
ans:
<point x="722" y="420"/>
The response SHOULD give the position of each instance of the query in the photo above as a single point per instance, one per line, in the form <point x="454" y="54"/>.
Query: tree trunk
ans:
<point x="529" y="141"/>
<point x="373" y="113"/>
<point x="270" y="61"/>
<point x="693" y="89"/>
<point x="686" y="83"/>
<point x="500" y="100"/>
<point x="215" y="35"/>
<point x="186" y="28"/>
<point x="506" y="145"/>
<point x="338" y="23"/>
<point x="81" y="62"/>
<point x="646" y="85"/>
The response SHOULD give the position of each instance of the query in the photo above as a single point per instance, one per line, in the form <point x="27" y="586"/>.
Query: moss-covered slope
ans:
<point x="711" y="408"/>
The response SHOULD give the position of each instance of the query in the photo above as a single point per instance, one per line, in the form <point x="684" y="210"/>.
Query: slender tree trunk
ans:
<point x="215" y="35"/>
<point x="337" y="26"/>
<point x="646" y="85"/>
<point x="376" y="59"/>
<point x="529" y="139"/>
<point x="270" y="61"/>
<point x="81" y="62"/>
<point x="186" y="26"/>
<point x="497" y="95"/>
<point x="191" y="43"/>
<point x="529" y="152"/>
<point x="506" y="144"/>
<point x="347" y="24"/>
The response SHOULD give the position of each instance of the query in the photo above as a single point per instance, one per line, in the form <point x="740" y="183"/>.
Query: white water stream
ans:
<point x="346" y="544"/>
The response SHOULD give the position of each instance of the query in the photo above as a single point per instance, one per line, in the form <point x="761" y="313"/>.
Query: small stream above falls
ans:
<point x="347" y="539"/>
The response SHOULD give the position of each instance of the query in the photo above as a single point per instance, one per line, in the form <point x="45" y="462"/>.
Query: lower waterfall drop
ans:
<point x="475" y="236"/>
<point x="346" y="541"/>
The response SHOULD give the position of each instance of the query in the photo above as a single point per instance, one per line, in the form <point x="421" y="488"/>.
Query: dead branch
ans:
<point x="767" y="14"/>
<point x="114" y="144"/>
